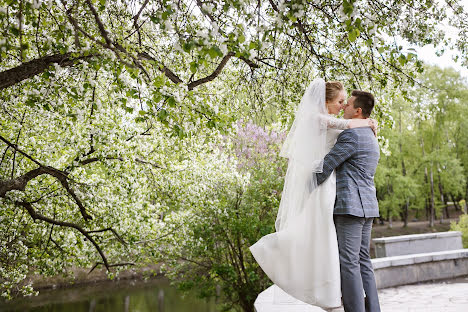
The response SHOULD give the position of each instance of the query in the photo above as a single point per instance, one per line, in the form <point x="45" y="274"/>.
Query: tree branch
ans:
<point x="213" y="75"/>
<point x="101" y="27"/>
<point x="169" y="74"/>
<point x="37" y="216"/>
<point x="137" y="16"/>
<point x="111" y="230"/>
<point x="21" y="182"/>
<point x="15" y="147"/>
<point x="110" y="265"/>
<point x="30" y="69"/>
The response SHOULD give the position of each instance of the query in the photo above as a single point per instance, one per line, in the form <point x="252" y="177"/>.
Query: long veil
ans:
<point x="305" y="147"/>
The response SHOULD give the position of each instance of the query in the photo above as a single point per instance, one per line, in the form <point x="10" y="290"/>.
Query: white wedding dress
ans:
<point x="302" y="257"/>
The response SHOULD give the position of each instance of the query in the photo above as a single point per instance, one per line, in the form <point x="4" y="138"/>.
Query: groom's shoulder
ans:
<point x="350" y="134"/>
<point x="357" y="132"/>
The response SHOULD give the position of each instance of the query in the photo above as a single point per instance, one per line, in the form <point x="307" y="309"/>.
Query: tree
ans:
<point x="210" y="251"/>
<point x="88" y="87"/>
<point x="424" y="156"/>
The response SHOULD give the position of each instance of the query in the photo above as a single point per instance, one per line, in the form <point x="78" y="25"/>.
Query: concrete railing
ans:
<point x="403" y="260"/>
<point x="417" y="243"/>
<point x="410" y="269"/>
<point x="409" y="259"/>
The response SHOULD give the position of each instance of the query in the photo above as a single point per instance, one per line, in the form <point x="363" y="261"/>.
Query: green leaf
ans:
<point x="162" y="114"/>
<point x="171" y="101"/>
<point x="187" y="46"/>
<point x="15" y="31"/>
<point x="353" y="34"/>
<point x="402" y="60"/>
<point x="193" y="67"/>
<point x="215" y="52"/>
<point x="347" y="7"/>
<point x="179" y="131"/>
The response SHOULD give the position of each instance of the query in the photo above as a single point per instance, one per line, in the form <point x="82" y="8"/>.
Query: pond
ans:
<point x="127" y="296"/>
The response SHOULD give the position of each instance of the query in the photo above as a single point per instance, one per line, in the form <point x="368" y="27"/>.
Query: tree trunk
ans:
<point x="455" y="202"/>
<point x="403" y="171"/>
<point x="389" y="212"/>
<point x="466" y="199"/>
<point x="429" y="201"/>
<point x="432" y="214"/>
<point x="442" y="197"/>
<point x="428" y="209"/>
<point x="405" y="214"/>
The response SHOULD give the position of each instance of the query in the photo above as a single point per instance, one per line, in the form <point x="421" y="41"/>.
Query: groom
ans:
<point x="355" y="157"/>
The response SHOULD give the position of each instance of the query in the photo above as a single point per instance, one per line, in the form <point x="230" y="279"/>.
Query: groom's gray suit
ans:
<point x="355" y="157"/>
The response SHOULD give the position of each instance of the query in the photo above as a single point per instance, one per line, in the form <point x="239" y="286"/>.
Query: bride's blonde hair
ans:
<point x="332" y="89"/>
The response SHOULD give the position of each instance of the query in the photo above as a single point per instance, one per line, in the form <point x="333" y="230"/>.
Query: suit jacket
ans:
<point x="354" y="157"/>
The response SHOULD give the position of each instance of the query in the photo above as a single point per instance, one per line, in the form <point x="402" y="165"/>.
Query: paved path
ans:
<point x="449" y="296"/>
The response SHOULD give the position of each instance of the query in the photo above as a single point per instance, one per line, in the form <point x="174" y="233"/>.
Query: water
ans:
<point x="126" y="296"/>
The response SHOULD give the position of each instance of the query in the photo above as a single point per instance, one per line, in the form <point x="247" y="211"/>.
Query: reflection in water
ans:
<point x="161" y="300"/>
<point x="129" y="296"/>
<point x="127" y="303"/>
<point x="92" y="305"/>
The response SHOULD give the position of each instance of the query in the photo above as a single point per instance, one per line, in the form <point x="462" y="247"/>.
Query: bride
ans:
<point x="301" y="257"/>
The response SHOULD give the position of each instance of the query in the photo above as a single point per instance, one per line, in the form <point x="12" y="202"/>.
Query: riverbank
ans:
<point x="82" y="277"/>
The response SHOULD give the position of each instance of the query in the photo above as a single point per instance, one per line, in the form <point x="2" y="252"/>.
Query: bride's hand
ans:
<point x="369" y="122"/>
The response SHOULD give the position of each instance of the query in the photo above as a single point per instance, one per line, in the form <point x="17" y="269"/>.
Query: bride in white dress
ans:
<point x="301" y="257"/>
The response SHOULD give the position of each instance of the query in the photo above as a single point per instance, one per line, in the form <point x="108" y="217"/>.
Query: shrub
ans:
<point x="461" y="226"/>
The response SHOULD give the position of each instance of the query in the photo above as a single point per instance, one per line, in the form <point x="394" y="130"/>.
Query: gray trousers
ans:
<point x="353" y="234"/>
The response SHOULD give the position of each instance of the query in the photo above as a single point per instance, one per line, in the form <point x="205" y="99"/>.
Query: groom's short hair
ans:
<point x="364" y="100"/>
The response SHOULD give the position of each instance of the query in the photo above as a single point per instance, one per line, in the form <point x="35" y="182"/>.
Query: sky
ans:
<point x="427" y="54"/>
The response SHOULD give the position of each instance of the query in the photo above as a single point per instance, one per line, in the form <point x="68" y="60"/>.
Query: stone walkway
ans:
<point x="451" y="296"/>
<point x="444" y="297"/>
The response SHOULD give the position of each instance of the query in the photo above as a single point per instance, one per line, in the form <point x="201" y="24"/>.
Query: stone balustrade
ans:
<point x="417" y="243"/>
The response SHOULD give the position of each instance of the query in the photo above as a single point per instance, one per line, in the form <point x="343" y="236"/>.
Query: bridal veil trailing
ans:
<point x="301" y="257"/>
